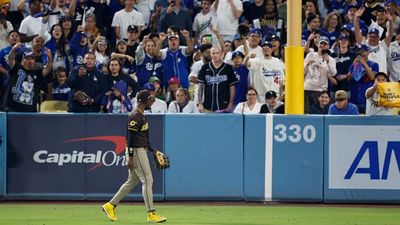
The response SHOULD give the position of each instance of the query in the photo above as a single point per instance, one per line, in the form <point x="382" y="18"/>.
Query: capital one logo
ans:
<point x="364" y="157"/>
<point x="113" y="157"/>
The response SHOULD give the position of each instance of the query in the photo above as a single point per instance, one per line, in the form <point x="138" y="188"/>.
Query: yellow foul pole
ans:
<point x="294" y="60"/>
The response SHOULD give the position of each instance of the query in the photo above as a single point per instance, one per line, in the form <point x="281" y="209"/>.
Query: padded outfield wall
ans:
<point x="213" y="157"/>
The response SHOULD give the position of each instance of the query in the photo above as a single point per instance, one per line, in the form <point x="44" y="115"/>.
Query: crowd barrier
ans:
<point x="213" y="157"/>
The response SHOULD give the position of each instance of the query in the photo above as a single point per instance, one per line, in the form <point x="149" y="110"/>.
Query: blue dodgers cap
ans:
<point x="237" y="53"/>
<point x="28" y="54"/>
<point x="345" y="27"/>
<point x="149" y="87"/>
<point x="255" y="31"/>
<point x="364" y="47"/>
<point x="323" y="39"/>
<point x="373" y="31"/>
<point x="344" y="37"/>
<point x="267" y="43"/>
<point x="237" y="37"/>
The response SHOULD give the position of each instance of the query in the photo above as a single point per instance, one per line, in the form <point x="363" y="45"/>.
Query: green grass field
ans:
<point x="90" y="214"/>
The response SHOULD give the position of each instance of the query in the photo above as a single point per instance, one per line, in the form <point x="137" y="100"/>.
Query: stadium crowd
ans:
<point x="195" y="56"/>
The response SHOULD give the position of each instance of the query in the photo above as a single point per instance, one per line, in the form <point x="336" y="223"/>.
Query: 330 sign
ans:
<point x="294" y="133"/>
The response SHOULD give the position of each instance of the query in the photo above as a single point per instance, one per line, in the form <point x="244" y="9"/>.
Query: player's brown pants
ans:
<point x="141" y="172"/>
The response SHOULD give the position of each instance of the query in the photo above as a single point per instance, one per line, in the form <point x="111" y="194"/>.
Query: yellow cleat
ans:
<point x="109" y="210"/>
<point x="153" y="217"/>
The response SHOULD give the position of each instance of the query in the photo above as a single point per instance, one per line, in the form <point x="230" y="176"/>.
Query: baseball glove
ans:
<point x="82" y="98"/>
<point x="161" y="160"/>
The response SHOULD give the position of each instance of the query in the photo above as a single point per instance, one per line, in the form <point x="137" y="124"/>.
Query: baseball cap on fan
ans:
<point x="341" y="95"/>
<point x="143" y="96"/>
<point x="173" y="35"/>
<point x="28" y="54"/>
<point x="132" y="29"/>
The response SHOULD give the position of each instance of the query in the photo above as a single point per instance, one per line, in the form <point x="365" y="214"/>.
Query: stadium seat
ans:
<point x="54" y="106"/>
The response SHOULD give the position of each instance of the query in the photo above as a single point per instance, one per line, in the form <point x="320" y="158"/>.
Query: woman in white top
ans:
<point x="251" y="106"/>
<point x="182" y="104"/>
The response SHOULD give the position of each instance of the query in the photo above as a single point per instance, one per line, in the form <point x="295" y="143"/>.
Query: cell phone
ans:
<point x="172" y="2"/>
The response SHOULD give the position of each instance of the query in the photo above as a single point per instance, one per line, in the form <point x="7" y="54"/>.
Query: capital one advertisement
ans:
<point x="364" y="157"/>
<point x="72" y="155"/>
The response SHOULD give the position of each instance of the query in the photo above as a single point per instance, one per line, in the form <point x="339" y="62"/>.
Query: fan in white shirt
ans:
<point x="182" y="103"/>
<point x="251" y="106"/>
<point x="372" y="97"/>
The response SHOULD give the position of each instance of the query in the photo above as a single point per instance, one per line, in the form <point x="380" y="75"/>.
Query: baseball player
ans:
<point x="138" y="163"/>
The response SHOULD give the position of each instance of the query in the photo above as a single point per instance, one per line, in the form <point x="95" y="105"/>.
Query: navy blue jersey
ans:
<point x="217" y="82"/>
<point x="343" y="63"/>
<point x="242" y="75"/>
<point x="24" y="87"/>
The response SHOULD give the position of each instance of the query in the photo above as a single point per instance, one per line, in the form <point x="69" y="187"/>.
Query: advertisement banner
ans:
<point x="362" y="159"/>
<point x="70" y="156"/>
<point x="3" y="154"/>
<point x="366" y="157"/>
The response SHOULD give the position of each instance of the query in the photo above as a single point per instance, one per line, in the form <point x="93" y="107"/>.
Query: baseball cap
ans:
<point x="173" y="80"/>
<point x="364" y="47"/>
<point x="121" y="41"/>
<point x="255" y="31"/>
<point x="237" y="53"/>
<point x="132" y="28"/>
<point x="343" y="36"/>
<point x="28" y="54"/>
<point x="204" y="47"/>
<point x="373" y="31"/>
<point x="323" y="39"/>
<point x="275" y="38"/>
<point x="143" y="96"/>
<point x="154" y="79"/>
<point x="267" y="43"/>
<point x="346" y="27"/>
<point x="236" y="37"/>
<point x="341" y="95"/>
<point x="270" y="94"/>
<point x="173" y="35"/>
<point x="149" y="87"/>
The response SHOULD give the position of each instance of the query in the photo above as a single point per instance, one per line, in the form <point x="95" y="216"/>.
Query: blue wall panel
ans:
<point x="297" y="158"/>
<point x="254" y="157"/>
<point x="206" y="153"/>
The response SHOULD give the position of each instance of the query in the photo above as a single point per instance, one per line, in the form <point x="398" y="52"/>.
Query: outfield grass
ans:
<point x="186" y="214"/>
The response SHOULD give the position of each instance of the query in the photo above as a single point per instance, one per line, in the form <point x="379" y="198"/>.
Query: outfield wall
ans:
<point x="213" y="157"/>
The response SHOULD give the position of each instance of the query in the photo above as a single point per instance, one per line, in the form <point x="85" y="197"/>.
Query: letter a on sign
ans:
<point x="373" y="169"/>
